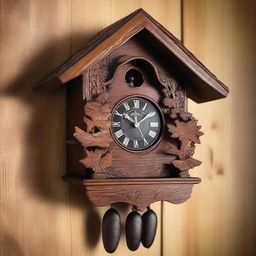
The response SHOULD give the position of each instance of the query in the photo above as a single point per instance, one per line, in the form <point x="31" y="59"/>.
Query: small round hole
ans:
<point x="134" y="78"/>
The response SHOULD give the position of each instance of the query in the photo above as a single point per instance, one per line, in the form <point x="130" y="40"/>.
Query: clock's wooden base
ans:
<point x="138" y="192"/>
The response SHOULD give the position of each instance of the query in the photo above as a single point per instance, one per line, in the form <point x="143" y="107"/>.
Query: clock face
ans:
<point x="136" y="123"/>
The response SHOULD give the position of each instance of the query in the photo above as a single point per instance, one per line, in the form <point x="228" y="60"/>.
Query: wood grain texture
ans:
<point x="137" y="192"/>
<point x="34" y="203"/>
<point x="219" y="219"/>
<point x="40" y="214"/>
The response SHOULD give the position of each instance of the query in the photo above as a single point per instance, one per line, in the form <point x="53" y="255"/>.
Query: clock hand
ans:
<point x="126" y="116"/>
<point x="150" y="114"/>
<point x="136" y="124"/>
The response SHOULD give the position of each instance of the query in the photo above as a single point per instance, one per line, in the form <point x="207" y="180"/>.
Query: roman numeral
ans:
<point x="117" y="113"/>
<point x="127" y="107"/>
<point x="153" y="124"/>
<point x="119" y="133"/>
<point x="116" y="124"/>
<point x="136" y="104"/>
<point x="145" y="142"/>
<point x="135" y="144"/>
<point x="152" y="134"/>
<point x="126" y="141"/>
<point x="151" y="114"/>
<point x="145" y="106"/>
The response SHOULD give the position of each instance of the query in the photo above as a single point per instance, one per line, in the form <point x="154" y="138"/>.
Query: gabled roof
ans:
<point x="203" y="85"/>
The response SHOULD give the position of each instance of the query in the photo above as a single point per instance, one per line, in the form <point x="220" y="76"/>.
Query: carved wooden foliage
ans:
<point x="184" y="128"/>
<point x="97" y="77"/>
<point x="99" y="139"/>
<point x="186" y="164"/>
<point x="96" y="138"/>
<point x="185" y="131"/>
<point x="97" y="160"/>
<point x="96" y="116"/>
<point x="188" y="133"/>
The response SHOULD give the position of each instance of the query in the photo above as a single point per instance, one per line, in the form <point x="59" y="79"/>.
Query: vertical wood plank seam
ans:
<point x="71" y="28"/>
<point x="1" y="198"/>
<point x="162" y="203"/>
<point x="162" y="231"/>
<point x="182" y="21"/>
<point x="69" y="187"/>
<point x="70" y="216"/>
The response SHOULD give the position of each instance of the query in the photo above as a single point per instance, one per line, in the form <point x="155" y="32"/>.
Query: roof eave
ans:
<point x="206" y="87"/>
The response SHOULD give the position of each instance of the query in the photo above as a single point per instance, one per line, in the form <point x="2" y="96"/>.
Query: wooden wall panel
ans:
<point x="39" y="213"/>
<point x="219" y="219"/>
<point x="34" y="202"/>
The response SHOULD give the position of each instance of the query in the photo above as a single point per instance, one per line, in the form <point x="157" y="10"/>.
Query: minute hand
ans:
<point x="146" y="117"/>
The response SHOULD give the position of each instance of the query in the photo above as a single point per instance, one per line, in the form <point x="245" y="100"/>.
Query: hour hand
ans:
<point x="126" y="116"/>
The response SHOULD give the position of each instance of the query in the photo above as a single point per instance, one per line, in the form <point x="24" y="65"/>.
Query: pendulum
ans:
<point x="133" y="230"/>
<point x="149" y="222"/>
<point x="138" y="229"/>
<point x="111" y="227"/>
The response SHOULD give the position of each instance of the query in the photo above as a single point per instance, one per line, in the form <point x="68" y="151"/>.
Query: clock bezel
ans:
<point x="161" y="115"/>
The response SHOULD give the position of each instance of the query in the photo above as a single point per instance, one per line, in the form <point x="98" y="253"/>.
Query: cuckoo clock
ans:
<point x="130" y="136"/>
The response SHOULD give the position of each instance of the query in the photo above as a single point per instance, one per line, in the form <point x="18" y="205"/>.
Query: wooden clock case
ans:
<point x="95" y="79"/>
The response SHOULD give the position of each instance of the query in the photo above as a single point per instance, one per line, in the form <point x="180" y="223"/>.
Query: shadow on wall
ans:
<point x="44" y="155"/>
<point x="11" y="246"/>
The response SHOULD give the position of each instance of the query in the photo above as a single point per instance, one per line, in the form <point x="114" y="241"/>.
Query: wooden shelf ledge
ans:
<point x="139" y="192"/>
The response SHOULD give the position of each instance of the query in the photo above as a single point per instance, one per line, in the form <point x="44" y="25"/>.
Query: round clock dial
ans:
<point x="136" y="123"/>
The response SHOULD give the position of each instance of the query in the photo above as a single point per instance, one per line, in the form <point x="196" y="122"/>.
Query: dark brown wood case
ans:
<point x="96" y="81"/>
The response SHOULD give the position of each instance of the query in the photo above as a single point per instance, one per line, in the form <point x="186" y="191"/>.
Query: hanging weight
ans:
<point x="111" y="227"/>
<point x="149" y="220"/>
<point x="133" y="230"/>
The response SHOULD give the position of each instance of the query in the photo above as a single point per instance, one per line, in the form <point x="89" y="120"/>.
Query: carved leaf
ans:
<point x="96" y="79"/>
<point x="170" y="84"/>
<point x="173" y="150"/>
<point x="186" y="150"/>
<point x="97" y="111"/>
<point x="92" y="160"/>
<point x="103" y="98"/>
<point x="100" y="124"/>
<point x="106" y="160"/>
<point x="169" y="102"/>
<point x="186" y="164"/>
<point x="174" y="113"/>
<point x="101" y="139"/>
<point x="186" y="115"/>
<point x="176" y="107"/>
<point x="97" y="160"/>
<point x="185" y="131"/>
<point x="180" y="98"/>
